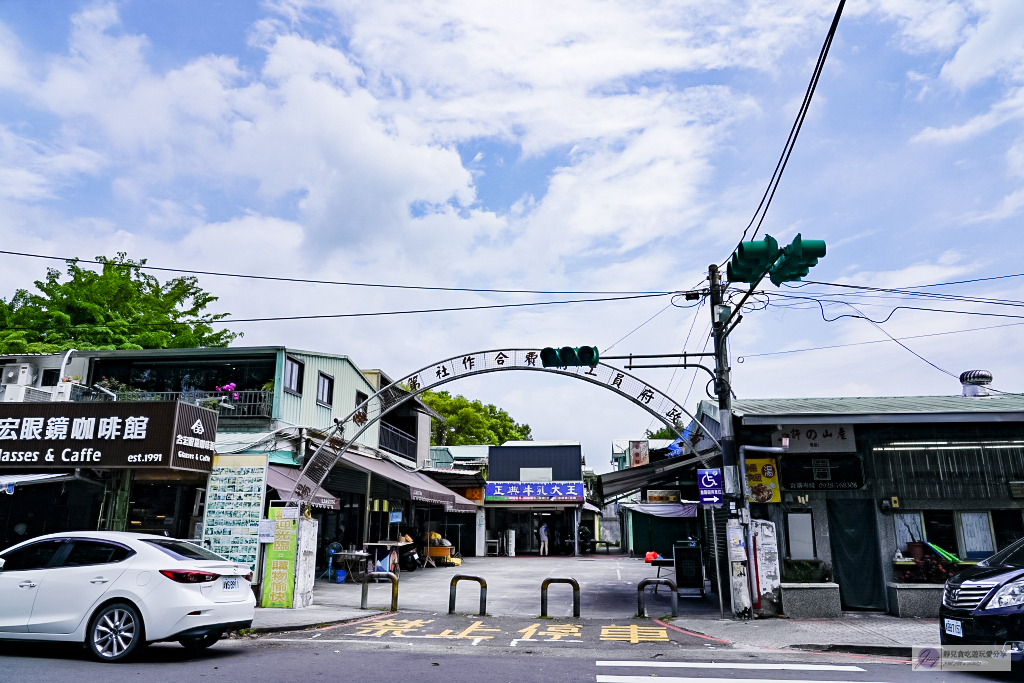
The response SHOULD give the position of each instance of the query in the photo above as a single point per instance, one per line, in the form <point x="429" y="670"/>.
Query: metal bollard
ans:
<point x="575" y="595"/>
<point x="483" y="592"/>
<point x="640" y="611"/>
<point x="380" y="575"/>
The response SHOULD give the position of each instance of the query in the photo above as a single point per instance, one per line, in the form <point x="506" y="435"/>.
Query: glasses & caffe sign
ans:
<point x="107" y="435"/>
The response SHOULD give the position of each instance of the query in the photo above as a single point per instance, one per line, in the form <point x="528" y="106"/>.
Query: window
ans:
<point x="360" y="397"/>
<point x="908" y="528"/>
<point x="940" y="530"/>
<point x="33" y="556"/>
<point x="293" y="371"/>
<point x="95" y="552"/>
<point x="976" y="532"/>
<point x="325" y="389"/>
<point x="183" y="550"/>
<point x="50" y="377"/>
<point x="1008" y="527"/>
<point x="800" y="533"/>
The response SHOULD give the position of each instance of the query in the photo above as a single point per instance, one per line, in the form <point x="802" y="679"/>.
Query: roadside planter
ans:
<point x="811" y="600"/>
<point x="915" y="599"/>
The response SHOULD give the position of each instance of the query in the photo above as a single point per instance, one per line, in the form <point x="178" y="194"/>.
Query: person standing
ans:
<point x="543" y="531"/>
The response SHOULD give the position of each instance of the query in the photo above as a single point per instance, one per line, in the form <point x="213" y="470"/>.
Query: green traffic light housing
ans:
<point x="797" y="259"/>
<point x="569" y="356"/>
<point x="752" y="260"/>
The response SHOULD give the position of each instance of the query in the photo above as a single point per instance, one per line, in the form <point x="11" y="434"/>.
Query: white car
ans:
<point x="116" y="591"/>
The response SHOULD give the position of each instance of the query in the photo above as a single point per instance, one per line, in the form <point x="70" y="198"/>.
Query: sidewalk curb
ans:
<point x="319" y="624"/>
<point x="903" y="651"/>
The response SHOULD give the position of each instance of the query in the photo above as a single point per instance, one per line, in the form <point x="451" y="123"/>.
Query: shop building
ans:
<point x="85" y="465"/>
<point x="531" y="484"/>
<point x="866" y="480"/>
<point x="274" y="406"/>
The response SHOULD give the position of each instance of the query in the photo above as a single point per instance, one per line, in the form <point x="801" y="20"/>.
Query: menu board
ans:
<point x="234" y="506"/>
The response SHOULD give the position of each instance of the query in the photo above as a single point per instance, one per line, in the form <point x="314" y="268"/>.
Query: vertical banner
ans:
<point x="279" y="560"/>
<point x="639" y="453"/>
<point x="234" y="506"/>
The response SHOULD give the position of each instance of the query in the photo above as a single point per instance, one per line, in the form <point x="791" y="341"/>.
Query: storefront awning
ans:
<point x="283" y="479"/>
<point x="664" y="509"/>
<point x="591" y="508"/>
<point x="421" y="487"/>
<point x="615" y="485"/>
<point x="23" y="479"/>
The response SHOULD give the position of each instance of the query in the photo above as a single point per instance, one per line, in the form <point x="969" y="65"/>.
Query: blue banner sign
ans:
<point x="517" y="490"/>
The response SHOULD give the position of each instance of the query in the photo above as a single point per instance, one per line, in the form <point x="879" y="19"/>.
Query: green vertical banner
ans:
<point x="279" y="560"/>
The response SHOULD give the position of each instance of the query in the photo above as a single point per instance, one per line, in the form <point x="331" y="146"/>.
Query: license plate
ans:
<point x="234" y="584"/>
<point x="954" y="628"/>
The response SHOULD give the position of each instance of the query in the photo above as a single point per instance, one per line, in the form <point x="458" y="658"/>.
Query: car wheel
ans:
<point x="197" y="643"/>
<point x="114" y="633"/>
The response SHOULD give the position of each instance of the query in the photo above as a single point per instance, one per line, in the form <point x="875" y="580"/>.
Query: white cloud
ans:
<point x="339" y="158"/>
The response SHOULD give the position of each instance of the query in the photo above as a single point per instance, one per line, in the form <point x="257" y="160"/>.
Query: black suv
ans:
<point x="984" y="605"/>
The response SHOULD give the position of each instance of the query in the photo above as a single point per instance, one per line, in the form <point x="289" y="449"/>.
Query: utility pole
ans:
<point x="720" y="314"/>
<point x="736" y="533"/>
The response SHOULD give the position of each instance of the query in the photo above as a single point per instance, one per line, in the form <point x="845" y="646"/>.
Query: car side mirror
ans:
<point x="2" y="561"/>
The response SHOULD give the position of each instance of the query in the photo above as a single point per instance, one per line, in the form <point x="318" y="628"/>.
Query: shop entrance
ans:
<point x="527" y="523"/>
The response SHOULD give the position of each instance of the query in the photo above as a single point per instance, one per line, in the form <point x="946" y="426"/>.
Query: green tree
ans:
<point x="119" y="307"/>
<point x="666" y="432"/>
<point x="469" y="422"/>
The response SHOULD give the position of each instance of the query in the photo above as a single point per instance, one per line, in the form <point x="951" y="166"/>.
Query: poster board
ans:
<point x="234" y="505"/>
<point x="279" y="561"/>
<point x="763" y="481"/>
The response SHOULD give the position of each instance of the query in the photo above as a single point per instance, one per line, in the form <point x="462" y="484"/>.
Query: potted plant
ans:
<point x="915" y="547"/>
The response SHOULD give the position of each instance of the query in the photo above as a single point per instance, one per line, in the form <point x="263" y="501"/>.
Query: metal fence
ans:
<point x="254" y="403"/>
<point x="396" y="441"/>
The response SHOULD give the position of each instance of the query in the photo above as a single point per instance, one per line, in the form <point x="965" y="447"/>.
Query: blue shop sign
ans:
<point x="517" y="490"/>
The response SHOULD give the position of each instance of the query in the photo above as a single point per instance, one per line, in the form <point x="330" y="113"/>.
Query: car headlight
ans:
<point x="1010" y="595"/>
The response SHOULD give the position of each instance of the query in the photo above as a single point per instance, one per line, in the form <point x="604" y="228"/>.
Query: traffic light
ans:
<point x="797" y="259"/>
<point x="568" y="356"/>
<point x="752" y="260"/>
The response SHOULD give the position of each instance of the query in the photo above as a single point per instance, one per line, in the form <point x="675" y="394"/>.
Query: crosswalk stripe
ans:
<point x="735" y="665"/>
<point x="676" y="679"/>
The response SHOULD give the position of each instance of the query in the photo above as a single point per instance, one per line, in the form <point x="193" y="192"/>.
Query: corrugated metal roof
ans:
<point x="881" y="409"/>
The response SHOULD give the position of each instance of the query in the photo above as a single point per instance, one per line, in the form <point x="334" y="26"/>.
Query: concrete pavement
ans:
<point x="854" y="632"/>
<point x="608" y="593"/>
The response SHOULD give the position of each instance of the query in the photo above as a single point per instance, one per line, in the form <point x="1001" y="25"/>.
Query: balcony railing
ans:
<point x="396" y="441"/>
<point x="255" y="403"/>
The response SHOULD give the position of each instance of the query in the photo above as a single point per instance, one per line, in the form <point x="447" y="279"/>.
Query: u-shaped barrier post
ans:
<point x="483" y="592"/>
<point x="380" y="575"/>
<point x="575" y="595"/>
<point x="640" y="612"/>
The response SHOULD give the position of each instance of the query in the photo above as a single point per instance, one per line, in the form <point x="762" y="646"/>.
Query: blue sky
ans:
<point x="592" y="145"/>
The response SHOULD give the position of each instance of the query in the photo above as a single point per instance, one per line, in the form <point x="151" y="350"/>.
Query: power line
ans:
<point x="742" y="359"/>
<point x="637" y="328"/>
<point x="821" y="302"/>
<point x="936" y="284"/>
<point x="358" y="315"/>
<point x="272" y="278"/>
<point x="930" y="295"/>
<point x="794" y="132"/>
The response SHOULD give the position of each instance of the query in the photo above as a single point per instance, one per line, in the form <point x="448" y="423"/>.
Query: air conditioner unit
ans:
<point x="19" y="393"/>
<point x="19" y="373"/>
<point x="63" y="391"/>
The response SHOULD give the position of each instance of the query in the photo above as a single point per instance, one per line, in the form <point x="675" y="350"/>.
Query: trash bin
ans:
<point x="689" y="565"/>
<point x="339" y="576"/>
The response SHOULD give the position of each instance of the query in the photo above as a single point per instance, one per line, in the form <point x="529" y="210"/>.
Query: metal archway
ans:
<point x="632" y="388"/>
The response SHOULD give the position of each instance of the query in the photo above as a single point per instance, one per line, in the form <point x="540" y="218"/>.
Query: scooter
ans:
<point x="409" y="559"/>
